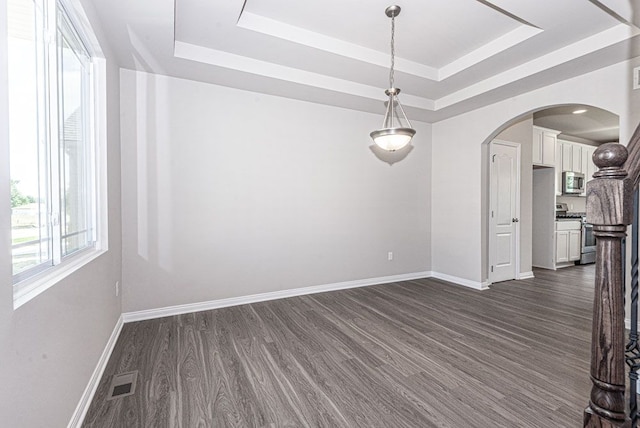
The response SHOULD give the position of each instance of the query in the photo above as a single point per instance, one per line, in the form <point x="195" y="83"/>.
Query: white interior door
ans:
<point x="505" y="210"/>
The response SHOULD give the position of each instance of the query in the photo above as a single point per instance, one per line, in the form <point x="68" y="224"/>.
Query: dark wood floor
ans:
<point x="419" y="353"/>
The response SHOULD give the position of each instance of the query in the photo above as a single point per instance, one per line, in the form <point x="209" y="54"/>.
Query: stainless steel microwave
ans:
<point x="572" y="183"/>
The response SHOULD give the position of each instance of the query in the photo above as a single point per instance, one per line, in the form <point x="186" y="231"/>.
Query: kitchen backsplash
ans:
<point x="575" y="203"/>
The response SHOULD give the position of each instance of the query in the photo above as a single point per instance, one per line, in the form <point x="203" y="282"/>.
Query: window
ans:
<point x="52" y="140"/>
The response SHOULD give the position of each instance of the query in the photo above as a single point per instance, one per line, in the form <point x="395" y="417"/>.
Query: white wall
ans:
<point x="230" y="193"/>
<point x="51" y="345"/>
<point x="457" y="244"/>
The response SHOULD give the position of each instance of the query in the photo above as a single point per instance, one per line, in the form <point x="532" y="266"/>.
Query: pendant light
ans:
<point x="396" y="131"/>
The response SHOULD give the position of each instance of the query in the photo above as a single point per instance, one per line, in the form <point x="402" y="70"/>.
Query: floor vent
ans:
<point x="122" y="385"/>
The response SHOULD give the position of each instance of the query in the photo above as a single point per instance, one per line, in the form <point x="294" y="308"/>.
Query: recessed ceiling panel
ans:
<point x="593" y="124"/>
<point x="448" y="30"/>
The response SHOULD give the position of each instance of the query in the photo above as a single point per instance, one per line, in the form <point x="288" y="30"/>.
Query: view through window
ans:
<point x="51" y="145"/>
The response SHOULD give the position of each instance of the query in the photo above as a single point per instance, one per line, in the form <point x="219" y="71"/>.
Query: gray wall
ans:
<point x="231" y="193"/>
<point x="51" y="345"/>
<point x="522" y="132"/>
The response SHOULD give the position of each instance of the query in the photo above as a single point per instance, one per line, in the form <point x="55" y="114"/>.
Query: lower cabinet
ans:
<point x="575" y="245"/>
<point x="568" y="241"/>
<point x="562" y="246"/>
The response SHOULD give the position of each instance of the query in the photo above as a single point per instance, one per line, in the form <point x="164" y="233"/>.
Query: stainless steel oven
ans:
<point x="588" y="252"/>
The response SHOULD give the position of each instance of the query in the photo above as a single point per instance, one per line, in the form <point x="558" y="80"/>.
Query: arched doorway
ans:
<point x="565" y="136"/>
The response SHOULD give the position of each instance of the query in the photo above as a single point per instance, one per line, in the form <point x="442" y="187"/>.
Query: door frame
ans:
<point x="492" y="243"/>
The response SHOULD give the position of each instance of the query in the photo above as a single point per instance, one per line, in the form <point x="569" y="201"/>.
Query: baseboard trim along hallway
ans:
<point x="94" y="381"/>
<point x="263" y="297"/>
<point x="148" y="314"/>
<point x="525" y="275"/>
<point x="476" y="285"/>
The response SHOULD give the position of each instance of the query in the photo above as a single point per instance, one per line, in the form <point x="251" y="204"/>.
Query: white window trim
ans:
<point x="34" y="286"/>
<point x="28" y="289"/>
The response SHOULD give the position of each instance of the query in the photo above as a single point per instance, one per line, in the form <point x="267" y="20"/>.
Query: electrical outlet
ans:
<point x="390" y="255"/>
<point x="117" y="288"/>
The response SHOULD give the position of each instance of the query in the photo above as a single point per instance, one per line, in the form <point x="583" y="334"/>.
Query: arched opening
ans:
<point x="556" y="143"/>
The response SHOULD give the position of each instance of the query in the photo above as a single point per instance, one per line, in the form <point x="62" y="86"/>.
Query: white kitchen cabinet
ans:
<point x="576" y="157"/>
<point x="558" y="169"/>
<point x="591" y="167"/>
<point x="567" y="156"/>
<point x="588" y="167"/>
<point x="564" y="162"/>
<point x="536" y="154"/>
<point x="586" y="158"/>
<point x="575" y="245"/>
<point x="568" y="241"/>
<point x="562" y="246"/>
<point x="549" y="141"/>
<point x="544" y="146"/>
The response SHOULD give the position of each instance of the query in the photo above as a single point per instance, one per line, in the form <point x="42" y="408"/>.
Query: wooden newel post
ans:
<point x="609" y="209"/>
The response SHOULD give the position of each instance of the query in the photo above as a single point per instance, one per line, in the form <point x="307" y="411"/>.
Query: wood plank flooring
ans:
<point x="418" y="353"/>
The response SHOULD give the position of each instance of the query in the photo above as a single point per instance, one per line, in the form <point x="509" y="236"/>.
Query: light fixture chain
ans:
<point x="393" y="51"/>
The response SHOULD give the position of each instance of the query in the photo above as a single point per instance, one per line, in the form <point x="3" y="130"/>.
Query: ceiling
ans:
<point x="593" y="126"/>
<point x="451" y="55"/>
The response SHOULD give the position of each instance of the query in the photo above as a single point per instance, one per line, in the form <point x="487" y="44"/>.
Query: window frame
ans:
<point x="43" y="277"/>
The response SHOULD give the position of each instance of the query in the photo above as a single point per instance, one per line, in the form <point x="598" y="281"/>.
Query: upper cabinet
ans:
<point x="589" y="168"/>
<point x="577" y="158"/>
<point x="574" y="157"/>
<point x="566" y="151"/>
<point x="544" y="146"/>
<point x="563" y="155"/>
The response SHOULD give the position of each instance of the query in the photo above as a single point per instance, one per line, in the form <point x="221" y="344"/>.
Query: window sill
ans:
<point x="32" y="287"/>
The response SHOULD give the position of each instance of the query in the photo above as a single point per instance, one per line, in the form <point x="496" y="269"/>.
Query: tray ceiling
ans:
<point x="452" y="56"/>
<point x="594" y="125"/>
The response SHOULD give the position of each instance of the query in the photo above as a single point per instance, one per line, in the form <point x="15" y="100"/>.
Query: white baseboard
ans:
<point x="263" y="297"/>
<point x="90" y="390"/>
<point x="564" y="265"/>
<point x="525" y="275"/>
<point x="476" y="285"/>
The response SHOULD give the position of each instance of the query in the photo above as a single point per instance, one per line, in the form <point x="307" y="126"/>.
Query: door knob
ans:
<point x="515" y="220"/>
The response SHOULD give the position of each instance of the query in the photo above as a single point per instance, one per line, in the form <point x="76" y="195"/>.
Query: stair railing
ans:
<point x="610" y="209"/>
<point x="633" y="345"/>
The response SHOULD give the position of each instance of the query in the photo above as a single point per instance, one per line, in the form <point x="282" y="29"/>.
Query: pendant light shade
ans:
<point x="396" y="131"/>
<point x="394" y="134"/>
<point x="392" y="139"/>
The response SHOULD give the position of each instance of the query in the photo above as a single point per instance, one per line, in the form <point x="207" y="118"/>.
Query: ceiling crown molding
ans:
<point x="323" y="53"/>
